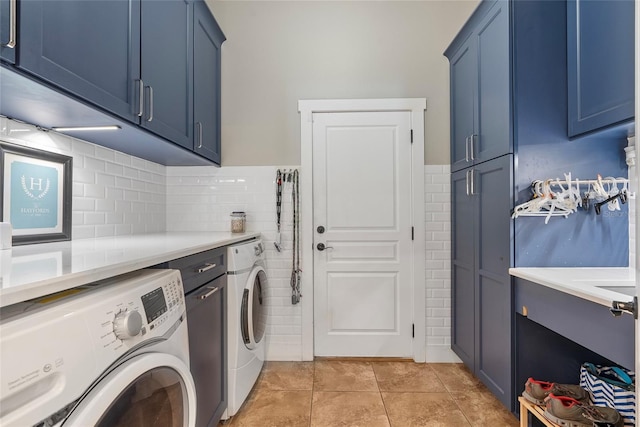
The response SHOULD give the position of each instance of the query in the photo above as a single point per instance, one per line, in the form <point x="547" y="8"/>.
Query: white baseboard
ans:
<point x="441" y="354"/>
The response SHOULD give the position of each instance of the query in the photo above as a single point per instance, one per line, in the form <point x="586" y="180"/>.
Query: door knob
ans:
<point x="320" y="229"/>
<point x="322" y="247"/>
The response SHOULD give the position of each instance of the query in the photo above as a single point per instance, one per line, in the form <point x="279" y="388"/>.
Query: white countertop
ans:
<point x="31" y="271"/>
<point x="589" y="283"/>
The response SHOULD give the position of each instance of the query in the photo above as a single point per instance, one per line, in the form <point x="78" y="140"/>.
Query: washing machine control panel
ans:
<point x="132" y="317"/>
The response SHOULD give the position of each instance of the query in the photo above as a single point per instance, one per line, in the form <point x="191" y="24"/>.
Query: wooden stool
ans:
<point x="536" y="411"/>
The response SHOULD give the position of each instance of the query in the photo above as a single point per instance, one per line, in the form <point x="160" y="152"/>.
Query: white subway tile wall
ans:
<point x="202" y="199"/>
<point x="438" y="263"/>
<point x="113" y="193"/>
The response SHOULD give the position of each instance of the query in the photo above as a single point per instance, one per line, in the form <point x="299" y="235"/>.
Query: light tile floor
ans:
<point x="328" y="393"/>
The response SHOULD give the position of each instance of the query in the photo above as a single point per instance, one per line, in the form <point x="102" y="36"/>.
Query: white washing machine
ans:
<point x="113" y="353"/>
<point x="246" y="320"/>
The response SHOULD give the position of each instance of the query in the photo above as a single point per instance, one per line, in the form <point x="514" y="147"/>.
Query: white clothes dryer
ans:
<point x="111" y="353"/>
<point x="246" y="320"/>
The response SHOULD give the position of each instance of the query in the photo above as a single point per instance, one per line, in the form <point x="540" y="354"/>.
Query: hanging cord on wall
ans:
<point x="295" y="269"/>
<point x="278" y="242"/>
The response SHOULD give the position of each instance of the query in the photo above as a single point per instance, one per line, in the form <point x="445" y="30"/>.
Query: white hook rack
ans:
<point x="557" y="197"/>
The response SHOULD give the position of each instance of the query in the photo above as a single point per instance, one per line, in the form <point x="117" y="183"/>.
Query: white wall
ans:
<point x="278" y="52"/>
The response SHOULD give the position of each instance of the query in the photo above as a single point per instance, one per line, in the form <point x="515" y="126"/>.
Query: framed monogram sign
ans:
<point x="35" y="194"/>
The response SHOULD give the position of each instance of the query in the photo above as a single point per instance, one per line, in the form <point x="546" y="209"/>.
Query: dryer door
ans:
<point x="152" y="389"/>
<point x="253" y="312"/>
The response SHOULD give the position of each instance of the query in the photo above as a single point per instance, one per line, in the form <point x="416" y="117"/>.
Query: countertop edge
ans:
<point x="587" y="292"/>
<point x="64" y="282"/>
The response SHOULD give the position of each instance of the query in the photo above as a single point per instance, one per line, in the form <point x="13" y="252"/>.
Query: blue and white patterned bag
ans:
<point x="613" y="387"/>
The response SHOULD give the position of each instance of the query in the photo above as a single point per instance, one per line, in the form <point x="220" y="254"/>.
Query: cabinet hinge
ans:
<point x="412" y="136"/>
<point x="413" y="330"/>
<point x="630" y="307"/>
<point x="412" y="230"/>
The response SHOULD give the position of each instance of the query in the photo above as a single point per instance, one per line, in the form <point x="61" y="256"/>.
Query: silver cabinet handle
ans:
<point x="140" y="97"/>
<point x="467" y="182"/>
<point x="208" y="294"/>
<point x="206" y="267"/>
<point x="13" y="6"/>
<point x="472" y="184"/>
<point x="199" y="127"/>
<point x="150" y="118"/>
<point x="472" y="145"/>
<point x="466" y="149"/>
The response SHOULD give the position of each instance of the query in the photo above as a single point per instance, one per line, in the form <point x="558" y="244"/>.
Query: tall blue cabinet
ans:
<point x="510" y="75"/>
<point x="481" y="195"/>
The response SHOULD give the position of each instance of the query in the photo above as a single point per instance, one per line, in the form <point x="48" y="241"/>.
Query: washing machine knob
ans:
<point x="127" y="324"/>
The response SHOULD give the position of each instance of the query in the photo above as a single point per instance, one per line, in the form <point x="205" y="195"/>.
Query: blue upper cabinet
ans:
<point x="8" y="30"/>
<point x="207" y="42"/>
<point x="131" y="61"/>
<point x="492" y="136"/>
<point x="463" y="94"/>
<point x="90" y="48"/>
<point x="481" y="88"/>
<point x="600" y="62"/>
<point x="166" y="69"/>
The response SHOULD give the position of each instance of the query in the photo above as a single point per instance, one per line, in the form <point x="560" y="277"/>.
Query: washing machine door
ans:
<point x="253" y="311"/>
<point x="152" y="389"/>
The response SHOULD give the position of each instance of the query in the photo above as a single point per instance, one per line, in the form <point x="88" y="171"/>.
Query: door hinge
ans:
<point x="413" y="330"/>
<point x="412" y="136"/>
<point x="412" y="230"/>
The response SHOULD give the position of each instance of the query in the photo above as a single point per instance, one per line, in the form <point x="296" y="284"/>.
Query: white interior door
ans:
<point x="362" y="200"/>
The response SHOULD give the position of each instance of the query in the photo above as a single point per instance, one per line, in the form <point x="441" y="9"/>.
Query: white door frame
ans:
<point x="306" y="108"/>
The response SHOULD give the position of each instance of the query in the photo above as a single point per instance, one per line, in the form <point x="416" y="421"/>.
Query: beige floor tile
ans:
<point x="407" y="376"/>
<point x="286" y="376"/>
<point x="344" y="376"/>
<point x="484" y="410"/>
<point x="456" y="377"/>
<point x="274" y="408"/>
<point x="352" y="409"/>
<point x="423" y="409"/>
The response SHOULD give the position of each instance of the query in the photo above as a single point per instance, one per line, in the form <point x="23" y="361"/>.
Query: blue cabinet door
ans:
<point x="491" y="190"/>
<point x="90" y="48"/>
<point x="481" y="91"/>
<point x="482" y="252"/>
<point x="463" y="215"/>
<point x="207" y="42"/>
<point x="600" y="61"/>
<point x="166" y="69"/>
<point x="463" y="73"/>
<point x="8" y="30"/>
<point x="492" y="117"/>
